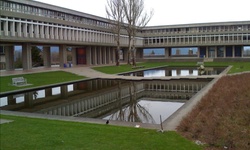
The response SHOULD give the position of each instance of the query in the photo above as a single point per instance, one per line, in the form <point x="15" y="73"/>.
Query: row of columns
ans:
<point x="95" y="55"/>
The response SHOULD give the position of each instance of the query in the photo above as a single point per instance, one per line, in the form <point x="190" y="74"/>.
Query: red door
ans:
<point x="81" y="56"/>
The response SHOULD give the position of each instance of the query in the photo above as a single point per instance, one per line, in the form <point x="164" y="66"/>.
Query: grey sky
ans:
<point x="167" y="12"/>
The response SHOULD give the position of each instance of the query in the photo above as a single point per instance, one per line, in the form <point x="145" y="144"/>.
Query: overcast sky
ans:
<point x="168" y="12"/>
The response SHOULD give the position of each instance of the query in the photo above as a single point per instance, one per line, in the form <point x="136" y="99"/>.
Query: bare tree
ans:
<point x="135" y="19"/>
<point x="114" y="11"/>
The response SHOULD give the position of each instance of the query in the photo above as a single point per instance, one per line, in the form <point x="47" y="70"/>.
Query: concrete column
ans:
<point x="93" y="52"/>
<point x="42" y="31"/>
<point x="73" y="35"/>
<point x="26" y="56"/>
<point x="77" y="35"/>
<point x="28" y="99"/>
<point x="233" y="51"/>
<point x="104" y="55"/>
<point x="74" y="56"/>
<point x="48" y="92"/>
<point x="206" y="51"/>
<point x="69" y="34"/>
<point x="113" y="50"/>
<point x="108" y="55"/>
<point x="198" y="52"/>
<point x="64" y="91"/>
<point x="56" y="35"/>
<point x="25" y="32"/>
<point x="224" y="52"/>
<point x="11" y="100"/>
<point x="242" y="51"/>
<point x="37" y="31"/>
<point x="215" y="52"/>
<point x="100" y="55"/>
<point x="166" y="52"/>
<point x="46" y="57"/>
<point x="60" y="33"/>
<point x="62" y="55"/>
<point x="88" y="55"/>
<point x="125" y="55"/>
<point x="9" y="57"/>
<point x="47" y="32"/>
<point x="31" y="30"/>
<point x="6" y="27"/>
<point x="12" y="28"/>
<point x="19" y="33"/>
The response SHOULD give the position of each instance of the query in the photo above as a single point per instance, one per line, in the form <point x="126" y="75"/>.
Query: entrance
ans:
<point x="81" y="56"/>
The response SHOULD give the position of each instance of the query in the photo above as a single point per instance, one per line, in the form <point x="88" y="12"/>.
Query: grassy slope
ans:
<point x="27" y="133"/>
<point x="222" y="118"/>
<point x="38" y="79"/>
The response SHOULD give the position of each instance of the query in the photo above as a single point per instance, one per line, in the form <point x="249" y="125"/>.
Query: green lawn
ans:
<point x="38" y="79"/>
<point x="29" y="134"/>
<point x="237" y="66"/>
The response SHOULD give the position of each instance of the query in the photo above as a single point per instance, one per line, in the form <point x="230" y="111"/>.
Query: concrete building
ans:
<point x="31" y="23"/>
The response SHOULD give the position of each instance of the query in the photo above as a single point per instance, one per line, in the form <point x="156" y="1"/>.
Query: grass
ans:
<point x="222" y="118"/>
<point x="30" y="133"/>
<point x="237" y="66"/>
<point x="38" y="79"/>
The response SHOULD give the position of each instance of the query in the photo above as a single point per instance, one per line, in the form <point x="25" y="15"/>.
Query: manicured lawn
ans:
<point x="38" y="79"/>
<point x="237" y="66"/>
<point x="29" y="134"/>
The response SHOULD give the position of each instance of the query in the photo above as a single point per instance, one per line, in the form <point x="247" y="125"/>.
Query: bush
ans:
<point x="222" y="118"/>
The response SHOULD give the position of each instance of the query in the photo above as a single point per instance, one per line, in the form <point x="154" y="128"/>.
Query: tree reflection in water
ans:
<point x="133" y="111"/>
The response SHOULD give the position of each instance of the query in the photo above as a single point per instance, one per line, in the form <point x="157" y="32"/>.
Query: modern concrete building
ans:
<point x="31" y="23"/>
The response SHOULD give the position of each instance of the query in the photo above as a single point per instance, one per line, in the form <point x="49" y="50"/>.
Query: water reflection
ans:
<point x="112" y="99"/>
<point x="168" y="71"/>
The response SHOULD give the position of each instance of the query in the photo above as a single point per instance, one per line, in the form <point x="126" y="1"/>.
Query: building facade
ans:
<point x="30" y="23"/>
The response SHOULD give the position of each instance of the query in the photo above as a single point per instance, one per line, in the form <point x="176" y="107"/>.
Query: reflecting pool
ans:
<point x="169" y="71"/>
<point x="136" y="101"/>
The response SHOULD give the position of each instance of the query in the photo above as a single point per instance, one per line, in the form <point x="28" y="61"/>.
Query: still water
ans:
<point x="168" y="71"/>
<point x="136" y="101"/>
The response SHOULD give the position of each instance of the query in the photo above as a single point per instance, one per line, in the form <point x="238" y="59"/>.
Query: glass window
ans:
<point x="220" y="51"/>
<point x="246" y="51"/>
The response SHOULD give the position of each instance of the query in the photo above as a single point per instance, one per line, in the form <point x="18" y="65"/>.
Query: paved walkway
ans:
<point x="169" y="124"/>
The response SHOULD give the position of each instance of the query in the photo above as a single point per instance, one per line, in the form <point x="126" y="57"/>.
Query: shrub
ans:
<point x="222" y="118"/>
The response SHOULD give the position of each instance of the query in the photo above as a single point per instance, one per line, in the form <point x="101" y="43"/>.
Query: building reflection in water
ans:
<point x="109" y="99"/>
<point x="168" y="71"/>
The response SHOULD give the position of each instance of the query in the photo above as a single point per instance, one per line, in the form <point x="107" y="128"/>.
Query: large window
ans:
<point x="154" y="52"/>
<point x="220" y="51"/>
<point x="246" y="51"/>
<point x="184" y="51"/>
